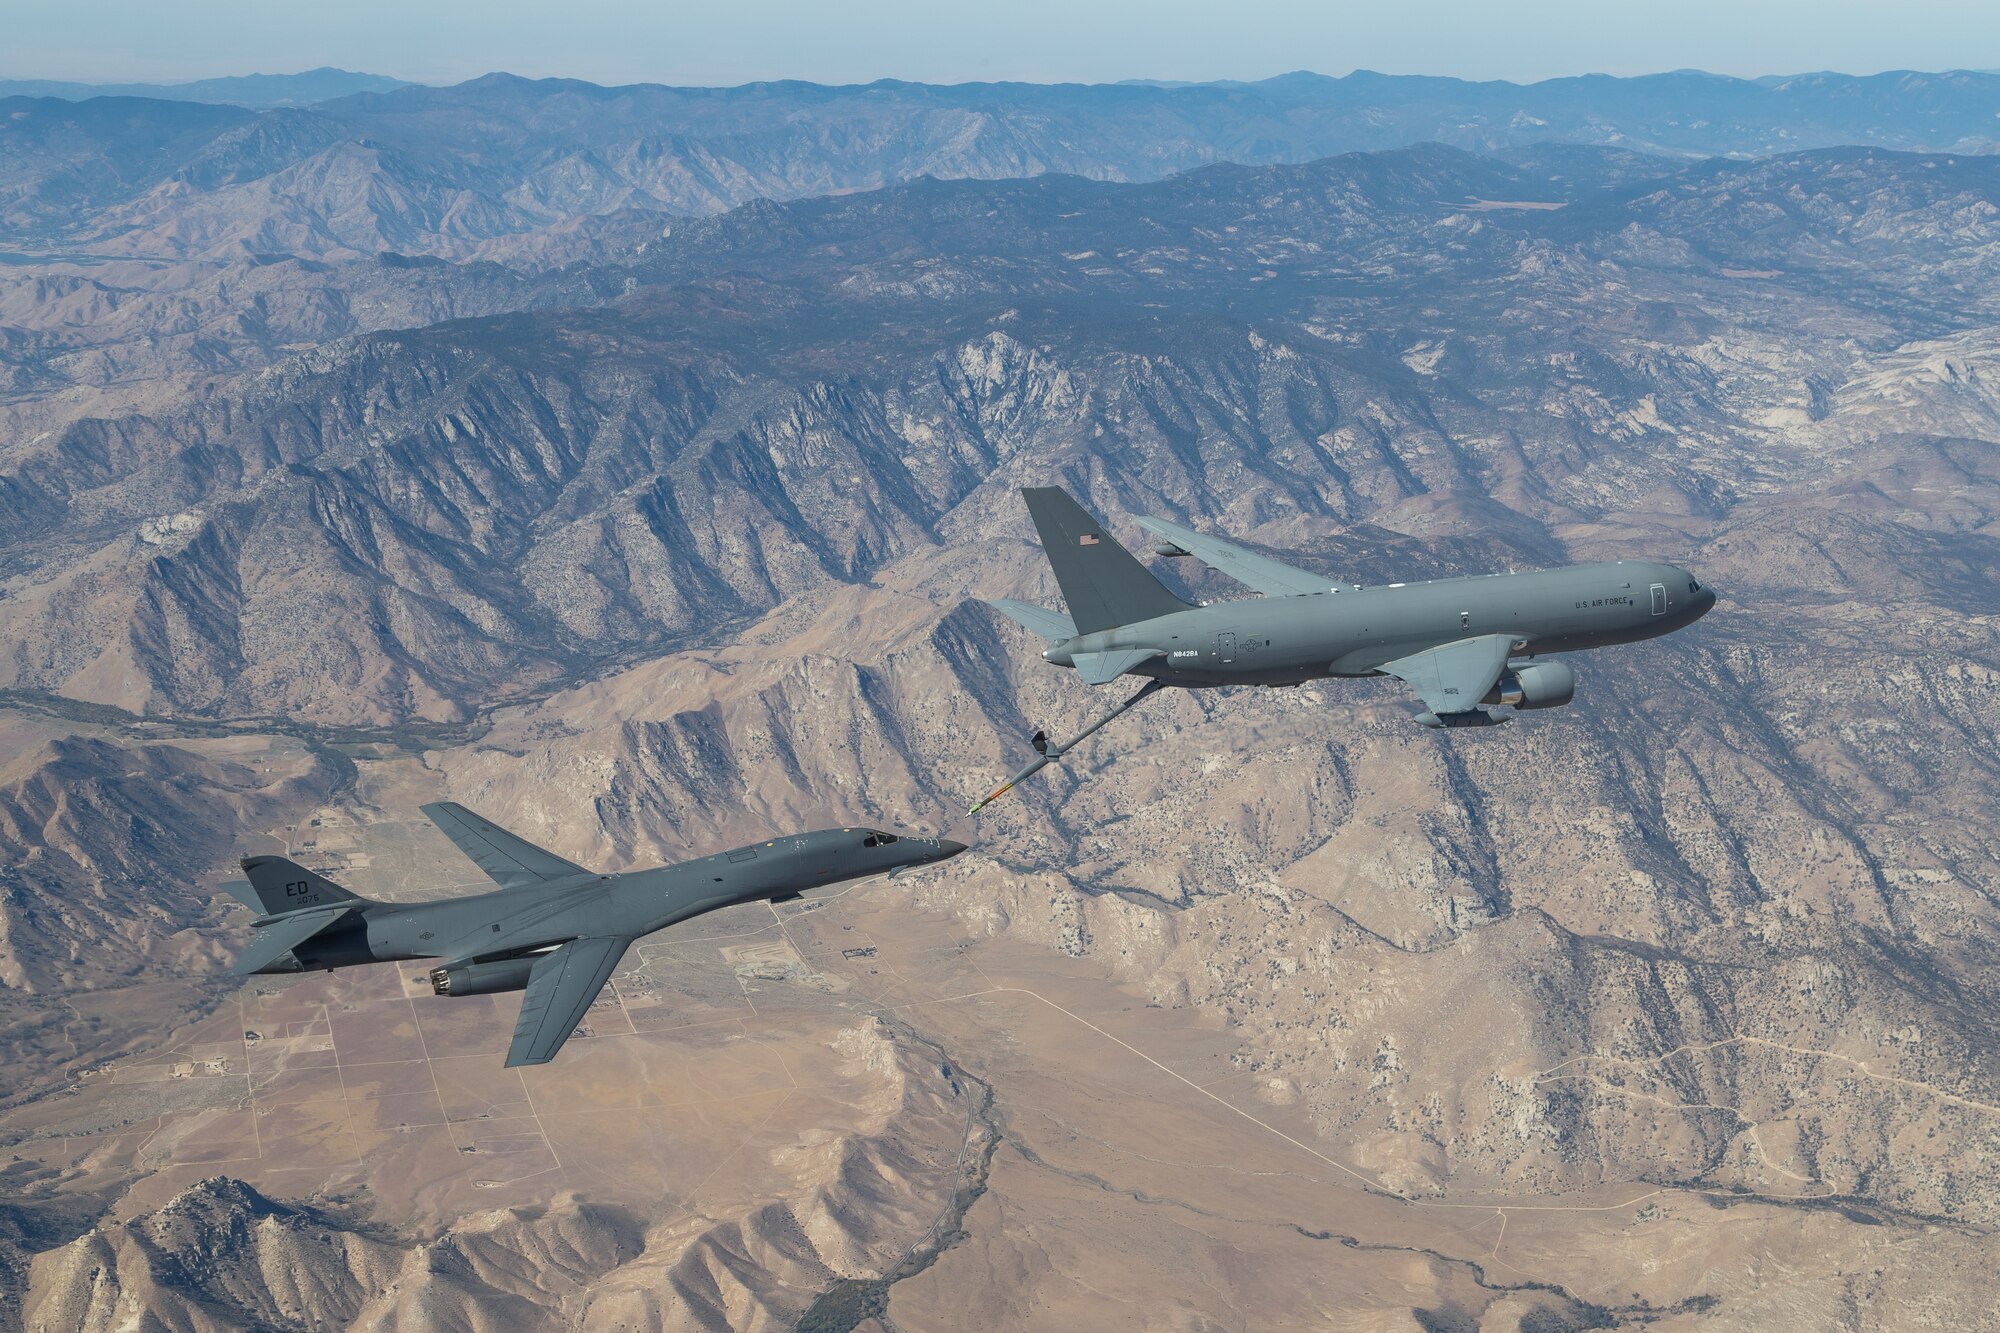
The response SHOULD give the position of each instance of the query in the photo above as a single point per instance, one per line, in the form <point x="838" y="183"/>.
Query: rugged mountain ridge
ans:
<point x="220" y="1255"/>
<point x="109" y="840"/>
<point x="450" y="167"/>
<point x="1744" y="923"/>
<point x="695" y="552"/>
<point x="510" y="499"/>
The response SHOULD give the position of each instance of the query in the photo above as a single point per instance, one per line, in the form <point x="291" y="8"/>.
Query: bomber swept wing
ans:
<point x="279" y="935"/>
<point x="561" y="988"/>
<point x="1451" y="679"/>
<point x="510" y="861"/>
<point x="1271" y="577"/>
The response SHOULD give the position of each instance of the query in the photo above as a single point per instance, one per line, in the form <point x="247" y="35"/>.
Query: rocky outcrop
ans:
<point x="700" y="555"/>
<point x="109" y="848"/>
<point x="223" y="1256"/>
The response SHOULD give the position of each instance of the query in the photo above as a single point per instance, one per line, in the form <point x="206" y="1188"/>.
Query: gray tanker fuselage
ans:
<point x="1461" y="645"/>
<point x="1350" y="631"/>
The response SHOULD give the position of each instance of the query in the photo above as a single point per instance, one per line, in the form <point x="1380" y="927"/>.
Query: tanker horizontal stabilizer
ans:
<point x="1103" y="668"/>
<point x="1052" y="625"/>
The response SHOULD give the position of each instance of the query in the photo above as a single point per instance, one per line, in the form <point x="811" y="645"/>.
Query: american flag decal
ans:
<point x="1087" y="539"/>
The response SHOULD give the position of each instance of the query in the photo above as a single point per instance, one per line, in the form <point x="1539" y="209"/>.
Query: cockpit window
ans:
<point x="878" y="840"/>
<point x="1694" y="585"/>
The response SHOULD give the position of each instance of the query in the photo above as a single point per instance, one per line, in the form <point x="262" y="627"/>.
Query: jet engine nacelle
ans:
<point x="483" y="978"/>
<point x="1536" y="685"/>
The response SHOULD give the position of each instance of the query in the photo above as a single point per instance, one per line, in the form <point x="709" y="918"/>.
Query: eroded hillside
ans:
<point x="694" y="551"/>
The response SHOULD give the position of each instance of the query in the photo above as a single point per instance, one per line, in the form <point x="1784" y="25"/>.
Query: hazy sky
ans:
<point x="839" y="41"/>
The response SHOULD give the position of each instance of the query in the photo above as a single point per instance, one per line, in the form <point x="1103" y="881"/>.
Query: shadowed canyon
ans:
<point x="646" y="513"/>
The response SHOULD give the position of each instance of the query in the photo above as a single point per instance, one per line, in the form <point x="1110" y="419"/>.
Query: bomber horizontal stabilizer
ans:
<point x="242" y="892"/>
<point x="1271" y="577"/>
<point x="279" y="935"/>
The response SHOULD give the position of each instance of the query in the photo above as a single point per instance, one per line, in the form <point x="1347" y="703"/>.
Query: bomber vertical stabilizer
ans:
<point x="283" y="886"/>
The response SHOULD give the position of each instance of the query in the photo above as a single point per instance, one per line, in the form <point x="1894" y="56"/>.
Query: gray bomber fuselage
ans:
<point x="511" y="922"/>
<point x="1351" y="631"/>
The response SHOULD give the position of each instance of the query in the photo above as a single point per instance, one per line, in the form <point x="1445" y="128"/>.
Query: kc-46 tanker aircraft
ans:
<point x="1462" y="645"/>
<point x="552" y="929"/>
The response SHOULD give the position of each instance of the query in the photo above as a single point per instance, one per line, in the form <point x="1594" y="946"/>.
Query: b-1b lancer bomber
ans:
<point x="1462" y="645"/>
<point x="552" y="928"/>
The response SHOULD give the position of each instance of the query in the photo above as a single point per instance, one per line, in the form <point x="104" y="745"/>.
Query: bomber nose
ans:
<point x="948" y="848"/>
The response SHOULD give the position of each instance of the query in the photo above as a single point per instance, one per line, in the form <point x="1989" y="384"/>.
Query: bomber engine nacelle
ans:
<point x="483" y="978"/>
<point x="1536" y="685"/>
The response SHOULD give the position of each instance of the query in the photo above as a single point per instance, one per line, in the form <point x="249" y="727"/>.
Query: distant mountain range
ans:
<point x="1683" y="111"/>
<point x="468" y="171"/>
<point x="1287" y="119"/>
<point x="530" y="511"/>
<point x="252" y="90"/>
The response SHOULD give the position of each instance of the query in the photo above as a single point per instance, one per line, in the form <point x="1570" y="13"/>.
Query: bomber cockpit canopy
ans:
<point x="877" y="838"/>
